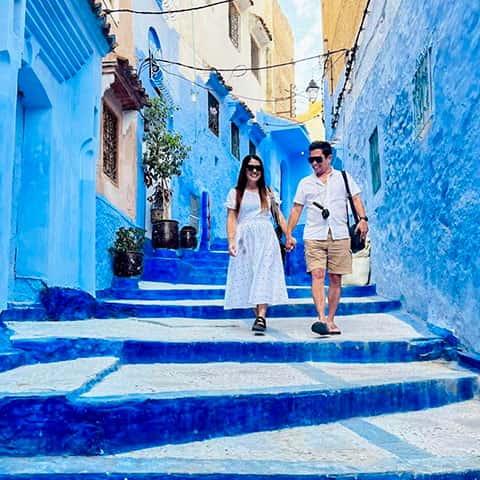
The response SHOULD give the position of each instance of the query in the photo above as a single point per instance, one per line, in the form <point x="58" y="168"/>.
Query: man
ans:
<point x="326" y="236"/>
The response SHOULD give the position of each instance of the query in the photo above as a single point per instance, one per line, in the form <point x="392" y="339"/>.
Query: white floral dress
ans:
<point x="255" y="275"/>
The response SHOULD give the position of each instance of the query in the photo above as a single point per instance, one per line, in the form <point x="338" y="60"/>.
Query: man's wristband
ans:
<point x="363" y="218"/>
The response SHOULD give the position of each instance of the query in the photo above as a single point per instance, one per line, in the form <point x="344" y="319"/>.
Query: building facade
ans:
<point x="405" y="122"/>
<point x="218" y="110"/>
<point x="280" y="81"/>
<point x="50" y="76"/>
<point x="119" y="179"/>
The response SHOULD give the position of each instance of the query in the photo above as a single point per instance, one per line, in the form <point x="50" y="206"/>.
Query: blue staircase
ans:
<point x="164" y="383"/>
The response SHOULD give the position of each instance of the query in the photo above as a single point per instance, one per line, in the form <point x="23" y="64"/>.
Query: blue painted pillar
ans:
<point x="205" y="222"/>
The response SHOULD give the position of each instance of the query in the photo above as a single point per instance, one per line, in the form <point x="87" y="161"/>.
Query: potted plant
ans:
<point x="164" y="153"/>
<point x="127" y="251"/>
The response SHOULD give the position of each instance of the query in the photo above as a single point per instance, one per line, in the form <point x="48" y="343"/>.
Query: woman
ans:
<point x="255" y="272"/>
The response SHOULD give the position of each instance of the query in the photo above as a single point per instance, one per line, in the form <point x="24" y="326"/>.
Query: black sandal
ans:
<point x="259" y="325"/>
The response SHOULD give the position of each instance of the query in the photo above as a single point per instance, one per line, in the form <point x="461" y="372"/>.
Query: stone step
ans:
<point x="365" y="338"/>
<point x="297" y="307"/>
<point x="172" y="291"/>
<point x="11" y="358"/>
<point x="92" y="406"/>
<point x="352" y="449"/>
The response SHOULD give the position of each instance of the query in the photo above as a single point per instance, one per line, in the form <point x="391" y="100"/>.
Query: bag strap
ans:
<point x="350" y="199"/>
<point x="273" y="206"/>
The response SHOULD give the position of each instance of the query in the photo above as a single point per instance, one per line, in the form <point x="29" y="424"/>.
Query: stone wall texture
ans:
<point x="425" y="218"/>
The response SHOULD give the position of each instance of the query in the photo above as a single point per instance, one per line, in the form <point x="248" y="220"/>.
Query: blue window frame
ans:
<point x="375" y="162"/>
<point x="422" y="92"/>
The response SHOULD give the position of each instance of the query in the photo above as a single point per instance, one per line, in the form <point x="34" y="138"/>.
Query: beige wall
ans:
<point x="282" y="50"/>
<point x="341" y="21"/>
<point x="122" y="193"/>
<point x="313" y="120"/>
<point x="205" y="40"/>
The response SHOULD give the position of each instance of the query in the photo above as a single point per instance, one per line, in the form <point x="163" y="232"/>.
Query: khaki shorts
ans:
<point x="333" y="255"/>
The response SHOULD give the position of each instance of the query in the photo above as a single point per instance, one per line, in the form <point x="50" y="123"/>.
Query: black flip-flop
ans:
<point x="322" y="329"/>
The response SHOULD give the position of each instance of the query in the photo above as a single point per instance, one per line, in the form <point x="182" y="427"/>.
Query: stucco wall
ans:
<point x="341" y="20"/>
<point x="121" y="193"/>
<point x="109" y="220"/>
<point x="425" y="217"/>
<point x="48" y="148"/>
<point x="204" y="41"/>
<point x="281" y="51"/>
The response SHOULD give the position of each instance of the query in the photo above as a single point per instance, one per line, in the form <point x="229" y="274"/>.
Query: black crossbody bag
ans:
<point x="357" y="243"/>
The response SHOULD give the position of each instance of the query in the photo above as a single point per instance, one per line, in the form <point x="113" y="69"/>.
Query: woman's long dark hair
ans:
<point x="242" y="182"/>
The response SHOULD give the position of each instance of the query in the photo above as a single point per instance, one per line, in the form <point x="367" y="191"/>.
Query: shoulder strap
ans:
<point x="350" y="199"/>
<point x="273" y="205"/>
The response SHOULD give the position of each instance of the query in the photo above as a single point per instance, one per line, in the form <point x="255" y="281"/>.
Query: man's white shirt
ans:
<point x="331" y="195"/>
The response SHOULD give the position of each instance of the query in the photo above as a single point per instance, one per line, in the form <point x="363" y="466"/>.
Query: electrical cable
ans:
<point x="164" y="12"/>
<point x="348" y="68"/>
<point x="252" y="69"/>
<point x="266" y="100"/>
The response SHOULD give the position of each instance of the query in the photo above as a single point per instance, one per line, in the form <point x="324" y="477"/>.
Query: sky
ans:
<point x="305" y="18"/>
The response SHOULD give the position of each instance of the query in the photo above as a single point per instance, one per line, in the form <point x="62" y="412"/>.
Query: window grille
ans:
<point x="234" y="24"/>
<point x="252" y="148"/>
<point x="255" y="57"/>
<point x="235" y="143"/>
<point x="375" y="162"/>
<point x="213" y="114"/>
<point x="110" y="143"/>
<point x="422" y="92"/>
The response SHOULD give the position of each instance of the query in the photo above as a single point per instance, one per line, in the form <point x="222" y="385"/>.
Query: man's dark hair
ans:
<point x="325" y="147"/>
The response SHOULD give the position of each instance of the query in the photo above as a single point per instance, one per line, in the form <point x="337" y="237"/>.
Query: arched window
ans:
<point x="155" y="52"/>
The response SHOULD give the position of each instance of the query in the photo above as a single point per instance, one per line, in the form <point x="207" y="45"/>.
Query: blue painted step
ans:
<point x="112" y="309"/>
<point x="142" y="351"/>
<point x="11" y="358"/>
<point x="62" y="425"/>
<point x="173" y="293"/>
<point x="135" y="469"/>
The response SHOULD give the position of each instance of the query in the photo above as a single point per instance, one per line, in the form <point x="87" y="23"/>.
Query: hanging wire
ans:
<point x="348" y="68"/>
<point x="251" y="69"/>
<point x="266" y="100"/>
<point x="164" y="12"/>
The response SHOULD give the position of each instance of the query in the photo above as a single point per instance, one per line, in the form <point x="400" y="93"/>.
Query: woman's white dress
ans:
<point x="255" y="275"/>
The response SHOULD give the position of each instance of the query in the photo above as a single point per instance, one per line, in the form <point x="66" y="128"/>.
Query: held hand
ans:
<point x="362" y="227"/>
<point x="232" y="250"/>
<point x="290" y="243"/>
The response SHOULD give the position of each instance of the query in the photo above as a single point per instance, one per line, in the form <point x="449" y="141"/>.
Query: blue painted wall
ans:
<point x="425" y="216"/>
<point x="50" y="72"/>
<point x="109" y="219"/>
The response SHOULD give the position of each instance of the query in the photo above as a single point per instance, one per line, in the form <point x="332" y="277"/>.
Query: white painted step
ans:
<point x="365" y="327"/>
<point x="211" y="379"/>
<point x="57" y="378"/>
<point x="101" y="377"/>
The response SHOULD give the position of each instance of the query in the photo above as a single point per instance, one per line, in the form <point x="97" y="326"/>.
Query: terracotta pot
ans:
<point x="128" y="264"/>
<point x="165" y="234"/>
